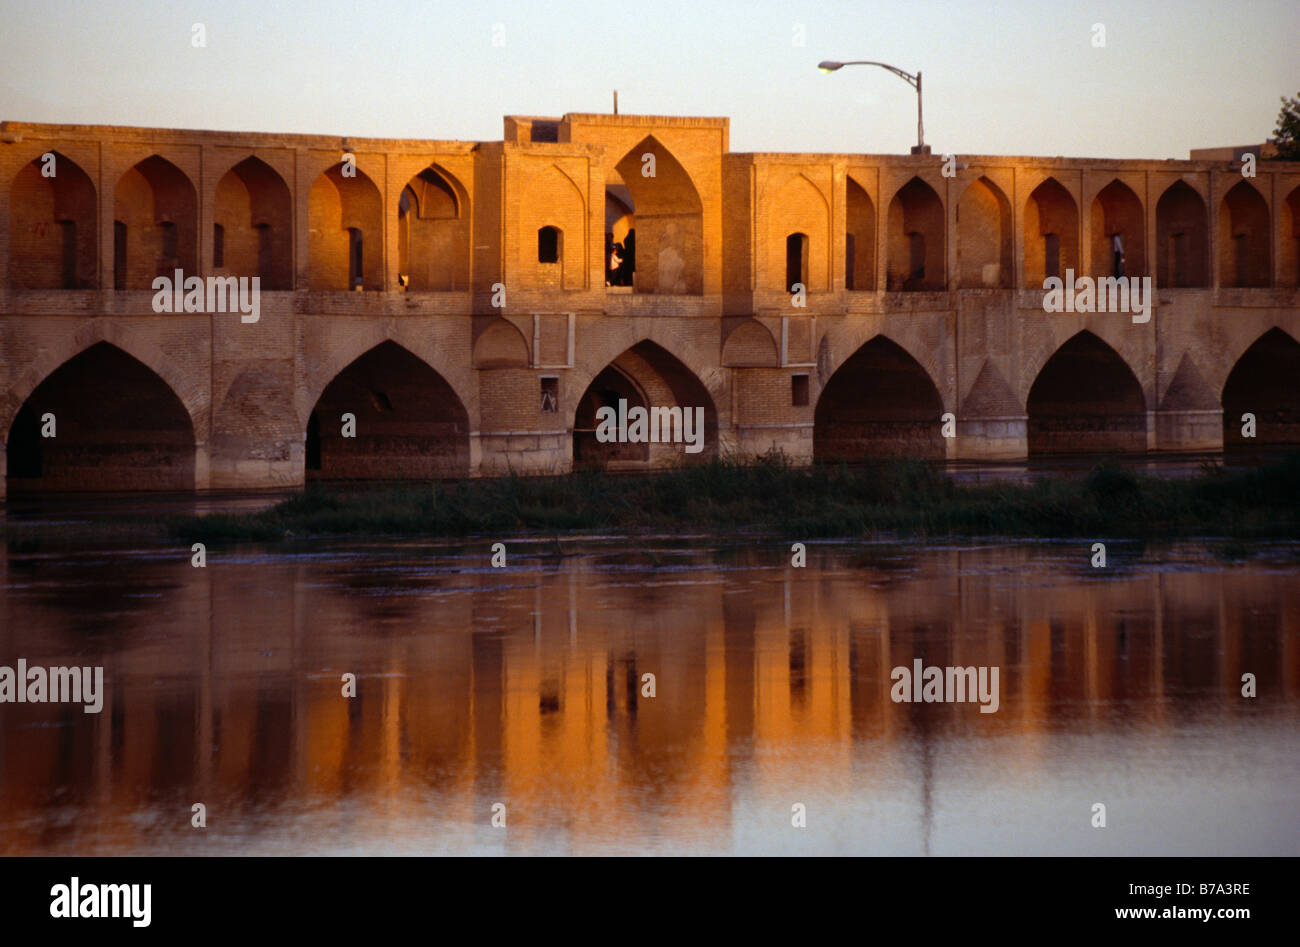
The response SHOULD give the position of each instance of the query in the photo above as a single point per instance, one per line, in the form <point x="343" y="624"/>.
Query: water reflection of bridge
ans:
<point x="523" y="687"/>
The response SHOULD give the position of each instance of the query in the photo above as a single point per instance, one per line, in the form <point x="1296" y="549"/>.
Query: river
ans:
<point x="520" y="695"/>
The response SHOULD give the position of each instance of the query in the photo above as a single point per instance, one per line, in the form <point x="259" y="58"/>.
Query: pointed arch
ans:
<point x="860" y="239"/>
<point x="749" y="345"/>
<point x="1051" y="233"/>
<point x="1244" y="237"/>
<point x="1086" y="399"/>
<point x="155" y="213"/>
<point x="917" y="231"/>
<point x="669" y="233"/>
<point x="984" y="245"/>
<point x="53" y="226"/>
<point x="134" y="434"/>
<point x="409" y="421"/>
<point x="253" y="224"/>
<point x="345" y="231"/>
<point x="433" y="232"/>
<point x="501" y="345"/>
<point x="1182" y="238"/>
<point x="646" y="375"/>
<point x="1289" y="270"/>
<point x="879" y="402"/>
<point x="1263" y="384"/>
<point x="1117" y="213"/>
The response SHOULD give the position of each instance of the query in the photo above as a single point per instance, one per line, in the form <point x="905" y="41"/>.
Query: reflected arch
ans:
<point x="880" y="402"/>
<point x="1086" y="399"/>
<point x="1264" y="383"/>
<point x="117" y="424"/>
<point x="409" y="422"/>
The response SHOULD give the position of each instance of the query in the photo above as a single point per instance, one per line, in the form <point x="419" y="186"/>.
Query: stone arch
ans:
<point x="410" y="423"/>
<point x="1244" y="237"/>
<point x="1182" y="238"/>
<point x="880" y="401"/>
<point x="749" y="345"/>
<point x="155" y="213"/>
<point x="53" y="226"/>
<point x="190" y="389"/>
<point x="501" y="345"/>
<point x="1086" y="399"/>
<point x="1263" y="383"/>
<point x="433" y="232"/>
<point x="1051" y="233"/>
<point x="917" y="231"/>
<point x="1289" y="271"/>
<point x="798" y="207"/>
<point x="253" y="210"/>
<point x="669" y="233"/>
<point x="343" y="351"/>
<point x="1117" y="211"/>
<point x="345" y="242"/>
<point x="134" y="433"/>
<point x="860" y="239"/>
<point x="649" y="376"/>
<point x="984" y="245"/>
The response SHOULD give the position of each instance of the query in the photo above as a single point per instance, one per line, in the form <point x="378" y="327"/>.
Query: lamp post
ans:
<point x="914" y="81"/>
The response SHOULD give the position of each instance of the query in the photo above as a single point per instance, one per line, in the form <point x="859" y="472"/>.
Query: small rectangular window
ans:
<point x="218" y="245"/>
<point x="799" y="390"/>
<point x="550" y="395"/>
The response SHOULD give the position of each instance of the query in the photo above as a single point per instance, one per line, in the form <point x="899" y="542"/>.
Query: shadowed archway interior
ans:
<point x="408" y="422"/>
<point x="1086" y="399"/>
<point x="116" y="426"/>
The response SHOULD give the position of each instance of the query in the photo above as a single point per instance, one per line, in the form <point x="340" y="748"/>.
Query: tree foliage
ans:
<point x="1287" y="133"/>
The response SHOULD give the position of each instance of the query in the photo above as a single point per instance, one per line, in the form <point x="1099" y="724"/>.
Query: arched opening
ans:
<point x="796" y="261"/>
<point x="253" y="225"/>
<point x="116" y="425"/>
<point x="668" y="247"/>
<point x="407" y="422"/>
<point x="860" y="241"/>
<point x="880" y="402"/>
<point x="1118" y="233"/>
<point x="1264" y="383"/>
<point x="1182" y="238"/>
<point x="343" y="209"/>
<point x="548" y="245"/>
<point x="433" y="234"/>
<point x="157" y="207"/>
<point x="1290" y="269"/>
<point x="620" y="234"/>
<point x="1244" y="238"/>
<point x="1085" y="400"/>
<point x="648" y="377"/>
<point x="916" y="239"/>
<point x="53" y="238"/>
<point x="1051" y="234"/>
<point x="984" y="237"/>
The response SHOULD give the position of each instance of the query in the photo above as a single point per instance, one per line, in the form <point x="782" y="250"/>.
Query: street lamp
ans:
<point x="914" y="81"/>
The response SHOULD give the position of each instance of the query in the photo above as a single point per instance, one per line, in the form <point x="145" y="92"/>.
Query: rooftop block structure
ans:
<point x="434" y="308"/>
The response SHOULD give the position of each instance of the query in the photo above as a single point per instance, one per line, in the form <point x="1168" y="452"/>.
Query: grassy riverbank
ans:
<point x="903" y="497"/>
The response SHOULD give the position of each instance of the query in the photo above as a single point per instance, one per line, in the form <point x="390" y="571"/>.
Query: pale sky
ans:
<point x="1016" y="77"/>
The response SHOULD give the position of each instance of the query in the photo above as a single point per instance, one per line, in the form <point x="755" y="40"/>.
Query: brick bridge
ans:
<point x="456" y="299"/>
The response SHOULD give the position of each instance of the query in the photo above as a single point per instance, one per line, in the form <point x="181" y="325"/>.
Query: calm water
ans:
<point x="523" y="686"/>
